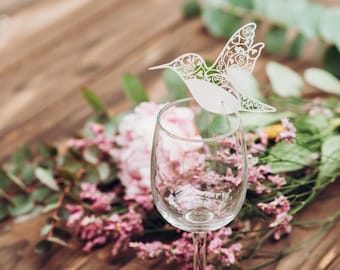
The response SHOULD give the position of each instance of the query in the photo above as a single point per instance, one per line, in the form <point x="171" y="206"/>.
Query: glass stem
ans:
<point x="200" y="250"/>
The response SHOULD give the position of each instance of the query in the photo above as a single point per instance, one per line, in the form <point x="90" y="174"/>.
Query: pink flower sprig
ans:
<point x="288" y="133"/>
<point x="103" y="142"/>
<point x="180" y="251"/>
<point x="278" y="208"/>
<point x="95" y="230"/>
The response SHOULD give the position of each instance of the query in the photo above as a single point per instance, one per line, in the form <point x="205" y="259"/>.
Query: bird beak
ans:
<point x="159" y="67"/>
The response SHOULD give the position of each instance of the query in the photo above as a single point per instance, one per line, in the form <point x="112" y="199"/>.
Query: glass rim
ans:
<point x="202" y="140"/>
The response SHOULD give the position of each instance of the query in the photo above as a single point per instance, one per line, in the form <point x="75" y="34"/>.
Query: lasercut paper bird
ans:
<point x="211" y="86"/>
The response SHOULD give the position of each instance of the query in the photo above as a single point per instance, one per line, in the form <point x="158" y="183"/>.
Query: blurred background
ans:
<point x="51" y="49"/>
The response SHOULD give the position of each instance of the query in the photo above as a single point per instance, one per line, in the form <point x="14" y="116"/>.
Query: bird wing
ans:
<point x="249" y="104"/>
<point x="239" y="50"/>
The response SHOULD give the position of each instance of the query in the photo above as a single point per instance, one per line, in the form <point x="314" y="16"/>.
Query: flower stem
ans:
<point x="200" y="250"/>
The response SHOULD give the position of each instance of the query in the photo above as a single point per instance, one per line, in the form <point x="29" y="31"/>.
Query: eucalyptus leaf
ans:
<point x="16" y="180"/>
<point x="191" y="9"/>
<point x="285" y="82"/>
<point x="245" y="82"/>
<point x="104" y="171"/>
<point x="296" y="47"/>
<point x="50" y="207"/>
<point x="20" y="204"/>
<point x="257" y="120"/>
<point x="329" y="26"/>
<point x="331" y="60"/>
<point x="40" y="194"/>
<point x="309" y="22"/>
<point x="322" y="80"/>
<point x="94" y="101"/>
<point x="46" y="177"/>
<point x="5" y="182"/>
<point x="288" y="157"/>
<point x="275" y="39"/>
<point x="3" y="210"/>
<point x="246" y="4"/>
<point x="220" y="23"/>
<point x="330" y="158"/>
<point x="175" y="84"/>
<point x="91" y="154"/>
<point x="133" y="89"/>
<point x="28" y="174"/>
<point x="46" y="229"/>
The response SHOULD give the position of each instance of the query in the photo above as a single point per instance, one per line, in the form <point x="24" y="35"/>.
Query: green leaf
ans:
<point x="94" y="101"/>
<point x="329" y="26"/>
<point x="175" y="84"/>
<point x="257" y="120"/>
<point x="218" y="125"/>
<point x="91" y="154"/>
<point x="297" y="46"/>
<point x="63" y="213"/>
<point x="246" y="4"/>
<point x="18" y="160"/>
<point x="133" y="89"/>
<point x="43" y="246"/>
<point x="322" y="80"/>
<point x="309" y="25"/>
<point x="275" y="39"/>
<point x="191" y="9"/>
<point x="3" y="210"/>
<point x="104" y="171"/>
<point x="20" y="204"/>
<point x="330" y="158"/>
<point x="5" y="182"/>
<point x="28" y="174"/>
<point x="47" y="151"/>
<point x="245" y="82"/>
<point x="284" y="81"/>
<point x="331" y="60"/>
<point x="50" y="207"/>
<point x="288" y="157"/>
<point x="46" y="229"/>
<point x="219" y="23"/>
<point x="46" y="178"/>
<point x="26" y="152"/>
<point x="16" y="180"/>
<point x="40" y="194"/>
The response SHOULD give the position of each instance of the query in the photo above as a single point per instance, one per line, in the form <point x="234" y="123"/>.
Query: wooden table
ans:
<point x="50" y="49"/>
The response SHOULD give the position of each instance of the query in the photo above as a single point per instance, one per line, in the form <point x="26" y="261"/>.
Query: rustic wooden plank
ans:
<point x="78" y="61"/>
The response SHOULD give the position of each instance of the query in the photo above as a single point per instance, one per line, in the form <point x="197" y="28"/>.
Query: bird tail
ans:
<point x="249" y="104"/>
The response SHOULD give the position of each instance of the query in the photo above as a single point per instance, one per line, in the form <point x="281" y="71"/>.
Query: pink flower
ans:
<point x="99" y="139"/>
<point x="288" y="133"/>
<point x="76" y="213"/>
<point x="148" y="250"/>
<point x="277" y="180"/>
<point x="100" y="201"/>
<point x="279" y="208"/>
<point x="135" y="142"/>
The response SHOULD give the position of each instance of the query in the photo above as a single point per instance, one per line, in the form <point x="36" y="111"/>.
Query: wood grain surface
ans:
<point x="50" y="49"/>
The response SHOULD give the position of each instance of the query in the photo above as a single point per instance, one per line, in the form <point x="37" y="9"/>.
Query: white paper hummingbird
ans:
<point x="211" y="86"/>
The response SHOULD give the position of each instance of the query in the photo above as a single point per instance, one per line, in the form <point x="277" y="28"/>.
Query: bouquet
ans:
<point x="96" y="188"/>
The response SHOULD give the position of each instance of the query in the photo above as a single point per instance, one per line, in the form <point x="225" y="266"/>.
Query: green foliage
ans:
<point x="322" y="80"/>
<point x="94" y="101"/>
<point x="257" y="120"/>
<point x="311" y="21"/>
<point x="330" y="159"/>
<point x="134" y="89"/>
<point x="175" y="84"/>
<point x="285" y="81"/>
<point x="288" y="157"/>
<point x="275" y="39"/>
<point x="46" y="178"/>
<point x="20" y="204"/>
<point x="219" y="23"/>
<point x="191" y="9"/>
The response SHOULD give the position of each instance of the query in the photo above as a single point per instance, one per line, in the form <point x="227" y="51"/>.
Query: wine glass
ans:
<point x="198" y="170"/>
